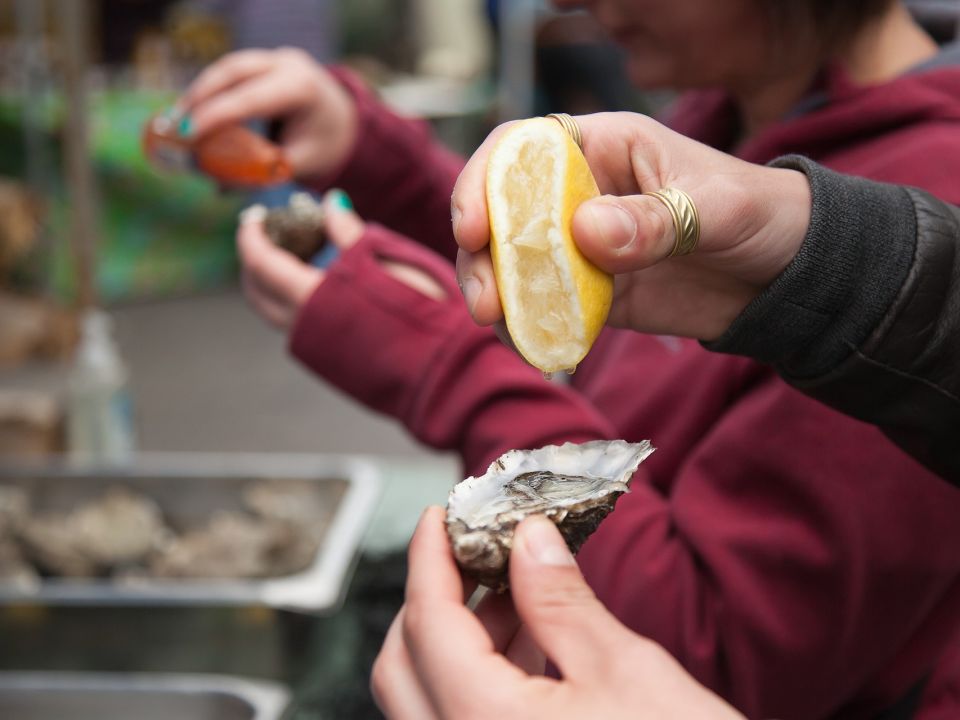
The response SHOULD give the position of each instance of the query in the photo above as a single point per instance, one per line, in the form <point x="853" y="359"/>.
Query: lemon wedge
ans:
<point x="554" y="300"/>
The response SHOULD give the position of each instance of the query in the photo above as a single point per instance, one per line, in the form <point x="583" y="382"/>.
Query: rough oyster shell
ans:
<point x="120" y="527"/>
<point x="575" y="486"/>
<point x="298" y="227"/>
<point x="14" y="507"/>
<point x="231" y="545"/>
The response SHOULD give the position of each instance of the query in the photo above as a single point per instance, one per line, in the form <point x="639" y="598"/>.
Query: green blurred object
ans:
<point x="161" y="234"/>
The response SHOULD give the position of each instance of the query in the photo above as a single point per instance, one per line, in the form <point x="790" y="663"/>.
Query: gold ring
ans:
<point x="570" y="125"/>
<point x="686" y="219"/>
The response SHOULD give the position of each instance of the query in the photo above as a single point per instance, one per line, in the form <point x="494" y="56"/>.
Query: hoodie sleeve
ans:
<point x="397" y="174"/>
<point x="865" y="318"/>
<point x="795" y="561"/>
<point x="451" y="383"/>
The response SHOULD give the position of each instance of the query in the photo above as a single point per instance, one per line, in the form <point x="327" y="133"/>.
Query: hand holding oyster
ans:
<point x="575" y="486"/>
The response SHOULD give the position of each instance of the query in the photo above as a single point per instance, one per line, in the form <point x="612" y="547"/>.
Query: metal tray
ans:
<point x="189" y="486"/>
<point x="138" y="696"/>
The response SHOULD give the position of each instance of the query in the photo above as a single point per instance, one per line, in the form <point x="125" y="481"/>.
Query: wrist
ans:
<point x="789" y="205"/>
<point x="770" y="219"/>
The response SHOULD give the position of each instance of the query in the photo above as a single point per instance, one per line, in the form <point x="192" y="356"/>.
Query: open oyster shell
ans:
<point x="575" y="486"/>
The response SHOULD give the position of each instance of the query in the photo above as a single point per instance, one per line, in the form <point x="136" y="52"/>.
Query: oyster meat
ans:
<point x="573" y="485"/>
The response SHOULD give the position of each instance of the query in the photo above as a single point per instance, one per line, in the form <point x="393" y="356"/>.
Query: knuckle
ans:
<point x="557" y="600"/>
<point x="294" y="55"/>
<point x="648" y="655"/>
<point x="380" y="669"/>
<point x="253" y="264"/>
<point x="380" y="677"/>
<point x="416" y="619"/>
<point x="661" y="230"/>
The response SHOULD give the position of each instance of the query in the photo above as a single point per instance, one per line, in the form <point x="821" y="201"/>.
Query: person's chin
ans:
<point x="649" y="74"/>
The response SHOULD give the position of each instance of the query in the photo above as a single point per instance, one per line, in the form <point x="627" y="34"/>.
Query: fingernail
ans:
<point x="339" y="199"/>
<point x="254" y="213"/>
<point x="471" y="289"/>
<point x="615" y="226"/>
<point x="456" y="214"/>
<point x="544" y="542"/>
<point x="185" y="126"/>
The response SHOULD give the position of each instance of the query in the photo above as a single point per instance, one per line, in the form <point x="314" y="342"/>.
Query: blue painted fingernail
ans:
<point x="340" y="199"/>
<point x="185" y="127"/>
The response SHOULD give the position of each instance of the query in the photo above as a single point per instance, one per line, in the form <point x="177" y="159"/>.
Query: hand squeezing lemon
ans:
<point x="554" y="300"/>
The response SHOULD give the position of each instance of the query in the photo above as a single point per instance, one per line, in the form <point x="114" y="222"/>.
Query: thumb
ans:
<point x="623" y="234"/>
<point x="343" y="226"/>
<point x="561" y="612"/>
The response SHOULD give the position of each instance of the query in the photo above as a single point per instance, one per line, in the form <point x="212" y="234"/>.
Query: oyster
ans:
<point x="298" y="227"/>
<point x="14" y="569"/>
<point x="14" y="506"/>
<point x="120" y="527"/>
<point x="231" y="545"/>
<point x="575" y="486"/>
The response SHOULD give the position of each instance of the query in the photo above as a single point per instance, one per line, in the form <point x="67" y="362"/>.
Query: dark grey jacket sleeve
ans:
<point x="867" y="316"/>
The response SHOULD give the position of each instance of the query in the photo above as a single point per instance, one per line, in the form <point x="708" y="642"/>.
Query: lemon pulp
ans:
<point x="555" y="301"/>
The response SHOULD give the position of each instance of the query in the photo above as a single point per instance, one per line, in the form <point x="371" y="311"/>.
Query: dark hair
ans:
<point x="833" y="22"/>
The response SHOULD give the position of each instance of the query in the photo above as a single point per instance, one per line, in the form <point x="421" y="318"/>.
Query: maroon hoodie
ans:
<point x="790" y="557"/>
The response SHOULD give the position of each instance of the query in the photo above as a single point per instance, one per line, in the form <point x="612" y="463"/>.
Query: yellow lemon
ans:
<point x="554" y="300"/>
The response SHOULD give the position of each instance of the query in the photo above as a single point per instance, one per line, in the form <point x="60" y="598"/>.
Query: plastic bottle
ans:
<point x="99" y="411"/>
<point x="233" y="156"/>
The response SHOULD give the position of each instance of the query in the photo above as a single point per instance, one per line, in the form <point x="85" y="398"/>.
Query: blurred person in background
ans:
<point x="307" y="24"/>
<point x="577" y="69"/>
<point x="792" y="559"/>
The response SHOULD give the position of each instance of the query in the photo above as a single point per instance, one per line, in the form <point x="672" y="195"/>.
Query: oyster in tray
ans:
<point x="575" y="486"/>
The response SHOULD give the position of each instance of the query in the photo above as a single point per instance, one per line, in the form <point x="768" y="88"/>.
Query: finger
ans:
<point x="274" y="312"/>
<point x="479" y="286"/>
<point x="524" y="652"/>
<point x="623" y="234"/>
<point x="468" y="204"/>
<point x="226" y="72"/>
<point x="433" y="574"/>
<point x="393" y="682"/>
<point x="415" y="278"/>
<point x="343" y="226"/>
<point x="560" y="611"/>
<point x="277" y="271"/>
<point x="510" y="638"/>
<point x="499" y="618"/>
<point x="453" y="656"/>
<point x="260" y="96"/>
